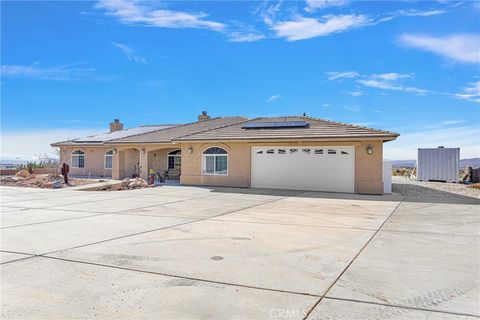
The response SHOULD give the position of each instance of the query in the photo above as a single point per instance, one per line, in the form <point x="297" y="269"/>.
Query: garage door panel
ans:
<point x="304" y="168"/>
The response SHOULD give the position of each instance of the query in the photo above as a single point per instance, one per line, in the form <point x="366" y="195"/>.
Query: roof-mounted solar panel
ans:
<point x="275" y="125"/>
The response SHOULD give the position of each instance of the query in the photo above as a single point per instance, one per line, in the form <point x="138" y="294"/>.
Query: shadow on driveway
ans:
<point x="412" y="193"/>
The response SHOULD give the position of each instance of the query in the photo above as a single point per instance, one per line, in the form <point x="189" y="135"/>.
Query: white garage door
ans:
<point x="304" y="168"/>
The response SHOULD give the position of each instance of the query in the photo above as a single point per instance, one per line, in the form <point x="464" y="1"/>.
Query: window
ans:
<point x="215" y="161"/>
<point x="307" y="151"/>
<point x="344" y="152"/>
<point x="78" y="159"/>
<point x="318" y="151"/>
<point x="292" y="151"/>
<point x="174" y="159"/>
<point x="282" y="151"/>
<point x="260" y="152"/>
<point x="330" y="151"/>
<point x="270" y="151"/>
<point x="109" y="159"/>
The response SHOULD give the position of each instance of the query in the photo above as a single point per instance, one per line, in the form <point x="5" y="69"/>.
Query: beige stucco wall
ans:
<point x="157" y="159"/>
<point x="129" y="157"/>
<point x="94" y="161"/>
<point x="368" y="168"/>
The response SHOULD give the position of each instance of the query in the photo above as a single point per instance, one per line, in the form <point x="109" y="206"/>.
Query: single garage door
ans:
<point x="304" y="168"/>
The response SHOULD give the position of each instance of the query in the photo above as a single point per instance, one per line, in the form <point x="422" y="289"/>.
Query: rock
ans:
<point x="125" y="183"/>
<point x="11" y="179"/>
<point x="136" y="183"/>
<point x="23" y="174"/>
<point x="57" y="184"/>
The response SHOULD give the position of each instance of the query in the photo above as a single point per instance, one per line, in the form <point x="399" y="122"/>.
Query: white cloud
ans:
<point x="420" y="13"/>
<point x="130" y="53"/>
<point x="28" y="143"/>
<point x="352" y="108"/>
<point x="356" y="93"/>
<point x="458" y="47"/>
<point x="134" y="13"/>
<point x="59" y="72"/>
<point x="300" y="28"/>
<point x="314" y="5"/>
<point x="274" y="98"/>
<point x="333" y="75"/>
<point x="389" y="81"/>
<point x="471" y="93"/>
<point x="239" y="36"/>
<point x="452" y="122"/>
<point x="406" y="146"/>
<point x="391" y="76"/>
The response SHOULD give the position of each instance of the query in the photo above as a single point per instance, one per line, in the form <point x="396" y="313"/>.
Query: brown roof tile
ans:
<point x="167" y="135"/>
<point x="317" y="129"/>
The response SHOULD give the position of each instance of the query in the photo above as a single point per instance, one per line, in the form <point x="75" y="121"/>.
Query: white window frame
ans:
<point x="105" y="159"/>
<point x="204" y="162"/>
<point x="83" y="153"/>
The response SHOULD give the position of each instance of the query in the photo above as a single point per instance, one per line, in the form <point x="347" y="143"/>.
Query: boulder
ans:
<point x="11" y="179"/>
<point x="125" y="183"/>
<point x="23" y="174"/>
<point x="57" y="184"/>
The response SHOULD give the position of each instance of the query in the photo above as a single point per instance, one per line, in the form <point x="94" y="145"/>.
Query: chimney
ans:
<point x="204" y="116"/>
<point x="116" y="125"/>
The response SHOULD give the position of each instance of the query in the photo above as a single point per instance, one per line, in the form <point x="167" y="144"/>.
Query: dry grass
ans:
<point x="474" y="186"/>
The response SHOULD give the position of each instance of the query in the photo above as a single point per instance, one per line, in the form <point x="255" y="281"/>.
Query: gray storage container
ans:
<point x="438" y="164"/>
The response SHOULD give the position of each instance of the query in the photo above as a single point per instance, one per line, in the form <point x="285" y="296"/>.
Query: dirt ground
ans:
<point x="43" y="181"/>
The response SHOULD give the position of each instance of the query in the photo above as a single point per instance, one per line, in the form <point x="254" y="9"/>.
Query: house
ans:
<point x="294" y="152"/>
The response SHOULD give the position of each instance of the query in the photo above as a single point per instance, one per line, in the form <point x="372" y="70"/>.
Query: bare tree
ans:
<point x="52" y="163"/>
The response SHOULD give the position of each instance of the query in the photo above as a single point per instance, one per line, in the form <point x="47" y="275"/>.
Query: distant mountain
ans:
<point x="403" y="163"/>
<point x="474" y="162"/>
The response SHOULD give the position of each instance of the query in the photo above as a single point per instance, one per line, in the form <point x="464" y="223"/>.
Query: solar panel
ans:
<point x="275" y="125"/>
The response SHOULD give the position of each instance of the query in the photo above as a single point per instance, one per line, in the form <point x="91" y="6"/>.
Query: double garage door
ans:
<point x="304" y="168"/>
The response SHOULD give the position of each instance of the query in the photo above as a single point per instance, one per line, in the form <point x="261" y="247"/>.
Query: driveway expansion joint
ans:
<point x="354" y="258"/>
<point x="400" y="306"/>
<point x="166" y="227"/>
<point x="180" y="277"/>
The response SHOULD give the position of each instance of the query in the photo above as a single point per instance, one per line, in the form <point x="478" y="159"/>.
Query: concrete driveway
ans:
<point x="189" y="253"/>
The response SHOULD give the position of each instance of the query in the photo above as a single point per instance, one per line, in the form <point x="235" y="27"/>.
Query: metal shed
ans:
<point x="438" y="164"/>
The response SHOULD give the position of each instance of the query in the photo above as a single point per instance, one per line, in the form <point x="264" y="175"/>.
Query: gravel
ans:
<point x="423" y="189"/>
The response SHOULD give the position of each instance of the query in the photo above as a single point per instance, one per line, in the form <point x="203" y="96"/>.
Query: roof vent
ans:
<point x="203" y="116"/>
<point x="116" y="125"/>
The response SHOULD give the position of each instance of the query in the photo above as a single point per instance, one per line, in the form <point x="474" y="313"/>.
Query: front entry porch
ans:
<point x="165" y="162"/>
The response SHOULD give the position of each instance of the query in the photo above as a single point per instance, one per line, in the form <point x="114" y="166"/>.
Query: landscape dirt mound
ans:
<point x="126" y="184"/>
<point x="25" y="179"/>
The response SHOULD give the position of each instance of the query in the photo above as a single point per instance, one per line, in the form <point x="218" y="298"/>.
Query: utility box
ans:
<point x="387" y="176"/>
<point x="438" y="164"/>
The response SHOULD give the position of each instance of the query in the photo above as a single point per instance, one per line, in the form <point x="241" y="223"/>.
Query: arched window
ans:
<point x="78" y="159"/>
<point x="174" y="159"/>
<point x="109" y="159"/>
<point x="215" y="161"/>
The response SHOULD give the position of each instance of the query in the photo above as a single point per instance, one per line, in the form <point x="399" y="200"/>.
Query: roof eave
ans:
<point x="296" y="138"/>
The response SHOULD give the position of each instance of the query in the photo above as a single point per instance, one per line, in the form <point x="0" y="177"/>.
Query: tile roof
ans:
<point x="108" y="136"/>
<point x="167" y="135"/>
<point x="317" y="129"/>
<point x="231" y="128"/>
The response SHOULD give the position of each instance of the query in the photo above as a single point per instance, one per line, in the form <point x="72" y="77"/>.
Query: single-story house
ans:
<point x="293" y="152"/>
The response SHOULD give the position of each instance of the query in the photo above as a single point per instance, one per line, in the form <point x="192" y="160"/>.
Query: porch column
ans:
<point x="118" y="165"/>
<point x="143" y="163"/>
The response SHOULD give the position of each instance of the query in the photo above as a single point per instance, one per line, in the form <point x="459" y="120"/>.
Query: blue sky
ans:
<point x="68" y="68"/>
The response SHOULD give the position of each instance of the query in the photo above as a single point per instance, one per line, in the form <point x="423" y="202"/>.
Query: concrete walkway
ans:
<point x="187" y="253"/>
